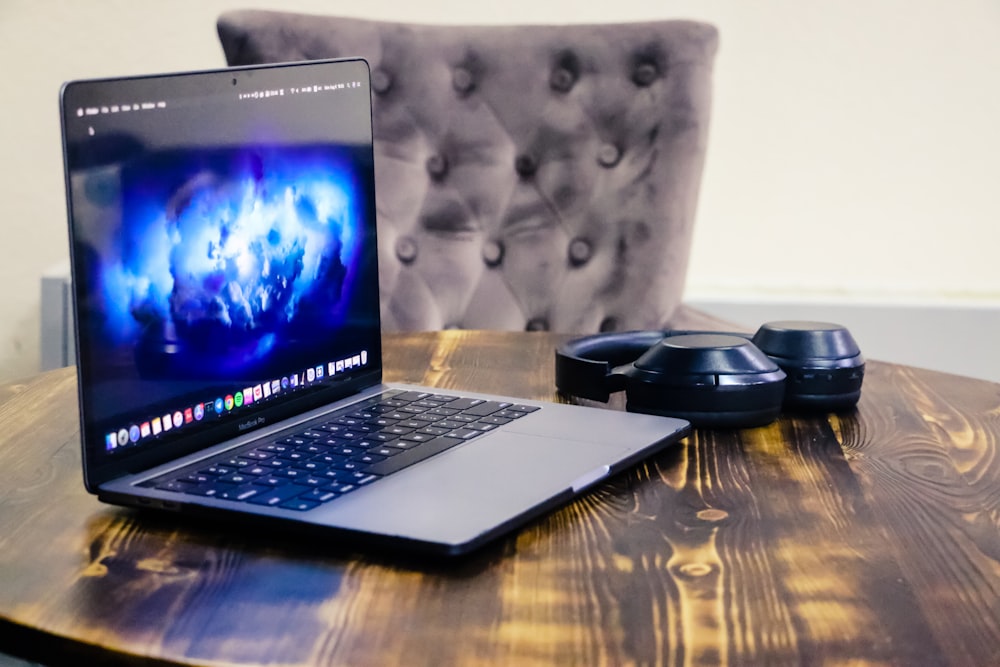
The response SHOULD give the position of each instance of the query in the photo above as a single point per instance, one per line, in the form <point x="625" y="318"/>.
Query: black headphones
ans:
<point x="718" y="379"/>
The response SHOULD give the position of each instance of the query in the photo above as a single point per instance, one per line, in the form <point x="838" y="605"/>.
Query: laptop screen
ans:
<point x="222" y="229"/>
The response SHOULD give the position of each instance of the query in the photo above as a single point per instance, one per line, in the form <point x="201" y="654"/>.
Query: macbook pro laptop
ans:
<point x="226" y="296"/>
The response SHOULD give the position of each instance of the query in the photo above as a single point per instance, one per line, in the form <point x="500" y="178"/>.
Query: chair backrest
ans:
<point x="527" y="177"/>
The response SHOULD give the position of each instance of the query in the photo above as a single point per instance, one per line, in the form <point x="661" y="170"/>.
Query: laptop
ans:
<point x="226" y="299"/>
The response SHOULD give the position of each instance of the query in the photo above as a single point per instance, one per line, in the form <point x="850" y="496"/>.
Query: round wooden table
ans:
<point x="871" y="538"/>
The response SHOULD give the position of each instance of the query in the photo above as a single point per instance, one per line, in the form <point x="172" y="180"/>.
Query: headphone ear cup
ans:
<point x="823" y="363"/>
<point x="709" y="379"/>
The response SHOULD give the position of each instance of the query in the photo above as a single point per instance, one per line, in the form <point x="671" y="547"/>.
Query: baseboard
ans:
<point x="951" y="337"/>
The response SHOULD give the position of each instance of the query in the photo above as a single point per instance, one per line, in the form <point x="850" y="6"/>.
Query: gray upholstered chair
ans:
<point x="527" y="177"/>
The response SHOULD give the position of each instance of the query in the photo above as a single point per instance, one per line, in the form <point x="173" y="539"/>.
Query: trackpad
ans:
<point x="471" y="489"/>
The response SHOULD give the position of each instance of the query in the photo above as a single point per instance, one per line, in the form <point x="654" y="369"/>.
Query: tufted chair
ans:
<point x="527" y="177"/>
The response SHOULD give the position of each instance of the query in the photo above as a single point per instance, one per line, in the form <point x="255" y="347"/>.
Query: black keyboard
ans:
<point x="314" y="464"/>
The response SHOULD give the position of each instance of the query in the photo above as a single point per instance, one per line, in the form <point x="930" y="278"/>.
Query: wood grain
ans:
<point x="926" y="457"/>
<point x="871" y="538"/>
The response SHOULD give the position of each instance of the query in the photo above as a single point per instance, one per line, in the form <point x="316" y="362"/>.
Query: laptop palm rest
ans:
<point x="440" y="501"/>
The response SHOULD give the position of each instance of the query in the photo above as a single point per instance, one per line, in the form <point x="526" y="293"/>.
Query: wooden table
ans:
<point x="869" y="539"/>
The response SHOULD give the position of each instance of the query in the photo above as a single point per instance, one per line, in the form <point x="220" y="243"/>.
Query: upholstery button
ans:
<point x="381" y="81"/>
<point x="462" y="80"/>
<point x="608" y="155"/>
<point x="406" y="249"/>
<point x="645" y="73"/>
<point x="525" y="165"/>
<point x="580" y="252"/>
<point x="609" y="324"/>
<point x="562" y="80"/>
<point x="437" y="166"/>
<point x="493" y="252"/>
<point x="537" y="324"/>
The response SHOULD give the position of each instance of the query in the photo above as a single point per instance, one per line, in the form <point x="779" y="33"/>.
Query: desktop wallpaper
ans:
<point x="231" y="266"/>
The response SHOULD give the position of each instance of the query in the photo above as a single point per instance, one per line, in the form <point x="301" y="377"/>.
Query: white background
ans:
<point x="854" y="151"/>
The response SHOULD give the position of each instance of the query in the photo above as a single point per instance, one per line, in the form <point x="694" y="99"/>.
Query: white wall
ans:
<point x="854" y="149"/>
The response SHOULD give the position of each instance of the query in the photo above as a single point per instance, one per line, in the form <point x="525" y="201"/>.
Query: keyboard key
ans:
<point x="407" y="458"/>
<point x="384" y="451"/>
<point x="243" y="492"/>
<point x="346" y="451"/>
<point x="236" y="478"/>
<point x="416" y="436"/>
<point x="319" y="495"/>
<point x="338" y="476"/>
<point x="368" y="458"/>
<point x="176" y="485"/>
<point x="404" y="444"/>
<point x="464" y="403"/>
<point x="464" y="433"/>
<point x="271" y="481"/>
<point x="479" y="426"/>
<point x="347" y="466"/>
<point x="300" y="505"/>
<point x="215" y="471"/>
<point x="208" y="490"/>
<point x="340" y="489"/>
<point x="486" y="408"/>
<point x="277" y="496"/>
<point x="410" y="396"/>
<point x="312" y="467"/>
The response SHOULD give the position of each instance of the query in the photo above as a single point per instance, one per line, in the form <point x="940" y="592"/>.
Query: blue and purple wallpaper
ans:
<point x="231" y="266"/>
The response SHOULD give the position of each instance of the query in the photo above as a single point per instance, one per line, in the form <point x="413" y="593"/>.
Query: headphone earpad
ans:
<point x="823" y="363"/>
<point x="708" y="379"/>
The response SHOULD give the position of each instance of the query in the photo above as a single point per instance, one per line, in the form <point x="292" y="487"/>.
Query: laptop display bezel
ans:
<point x="98" y="468"/>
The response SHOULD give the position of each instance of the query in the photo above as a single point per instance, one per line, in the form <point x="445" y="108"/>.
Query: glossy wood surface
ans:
<point x="864" y="539"/>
